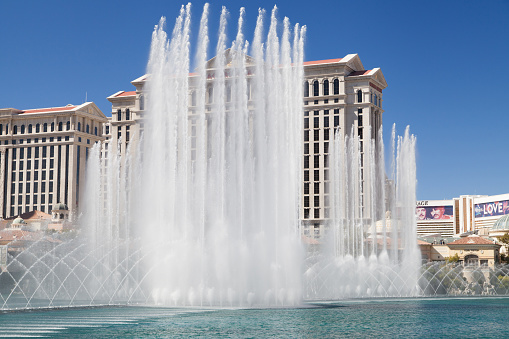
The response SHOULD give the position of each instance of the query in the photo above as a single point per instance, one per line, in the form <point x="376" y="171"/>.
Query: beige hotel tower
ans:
<point x="338" y="94"/>
<point x="43" y="154"/>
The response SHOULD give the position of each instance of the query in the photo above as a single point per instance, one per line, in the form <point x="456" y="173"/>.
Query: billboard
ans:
<point x="433" y="212"/>
<point x="491" y="209"/>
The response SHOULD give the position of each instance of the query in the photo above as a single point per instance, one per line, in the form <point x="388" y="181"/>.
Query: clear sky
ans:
<point x="445" y="62"/>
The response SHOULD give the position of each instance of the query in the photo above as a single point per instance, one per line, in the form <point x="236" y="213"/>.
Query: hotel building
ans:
<point x="339" y="94"/>
<point x="43" y="154"/>
<point x="467" y="213"/>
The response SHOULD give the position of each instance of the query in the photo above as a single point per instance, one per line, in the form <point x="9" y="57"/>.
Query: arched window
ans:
<point x="142" y="102"/>
<point x="52" y="127"/>
<point x="88" y="128"/>
<point x="95" y="130"/>
<point x="336" y="86"/>
<point x="326" y="87"/>
<point x="79" y="126"/>
<point x="119" y="115"/>
<point x="45" y="127"/>
<point x="15" y="129"/>
<point x="68" y="126"/>
<point x="316" y="88"/>
<point x="22" y="129"/>
<point x="127" y="114"/>
<point x="306" y="89"/>
<point x="37" y="128"/>
<point x="29" y="128"/>
<point x="359" y="95"/>
<point x="1" y="129"/>
<point x="60" y="126"/>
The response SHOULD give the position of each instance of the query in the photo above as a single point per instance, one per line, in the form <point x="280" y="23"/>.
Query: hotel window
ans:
<point x="316" y="88"/>
<point x="306" y="122"/>
<point x="336" y="121"/>
<point x="326" y="87"/>
<point x="36" y="173"/>
<point x="37" y="128"/>
<point x="326" y="160"/>
<point x="306" y="175"/>
<point x="316" y="135"/>
<point x="119" y="133"/>
<point x="95" y="131"/>
<point x="316" y="122"/>
<point x="326" y="177"/>
<point x="306" y="188"/>
<point x="30" y="128"/>
<point x="317" y="201"/>
<point x="359" y="120"/>
<point x="306" y="135"/>
<point x="326" y="134"/>
<point x="228" y="93"/>
<point x="317" y="215"/>
<point x="20" y="176"/>
<point x="127" y="133"/>
<point x="306" y="201"/>
<point x="306" y="213"/>
<point x="306" y="148"/>
<point x="210" y="92"/>
<point x="52" y="151"/>
<point x="68" y="126"/>
<point x="27" y="188"/>
<point x="43" y="201"/>
<point x="107" y="129"/>
<point x="359" y="95"/>
<point x="60" y="126"/>
<point x="88" y="129"/>
<point x="29" y="166"/>
<point x="22" y="153"/>
<point x="45" y="127"/>
<point x="316" y="188"/>
<point x="316" y="161"/>
<point x="35" y="200"/>
<point x="306" y="162"/>
<point x="14" y="153"/>
<point x="22" y="129"/>
<point x="127" y="114"/>
<point x="119" y="115"/>
<point x="51" y="175"/>
<point x="325" y="121"/>
<point x="316" y="148"/>
<point x="15" y="129"/>
<point x="142" y="102"/>
<point x="376" y="99"/>
<point x="52" y="127"/>
<point x="36" y="186"/>
<point x="306" y="89"/>
<point x="336" y="86"/>
<point x="79" y="126"/>
<point x="317" y="175"/>
<point x="1" y="129"/>
<point x="325" y="147"/>
<point x="359" y="132"/>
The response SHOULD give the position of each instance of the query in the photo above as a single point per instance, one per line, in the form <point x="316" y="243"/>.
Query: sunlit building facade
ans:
<point x="339" y="95"/>
<point x="43" y="156"/>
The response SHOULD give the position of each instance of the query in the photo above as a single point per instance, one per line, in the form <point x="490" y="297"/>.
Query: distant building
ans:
<point x="43" y="154"/>
<point x="459" y="215"/>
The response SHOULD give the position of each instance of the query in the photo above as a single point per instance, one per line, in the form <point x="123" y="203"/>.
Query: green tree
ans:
<point x="454" y="258"/>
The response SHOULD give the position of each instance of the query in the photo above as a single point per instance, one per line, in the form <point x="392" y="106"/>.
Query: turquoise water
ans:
<point x="469" y="317"/>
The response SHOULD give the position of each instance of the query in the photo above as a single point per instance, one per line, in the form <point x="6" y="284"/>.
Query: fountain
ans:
<point x="203" y="210"/>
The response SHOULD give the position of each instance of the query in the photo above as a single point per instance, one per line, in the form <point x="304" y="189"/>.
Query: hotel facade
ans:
<point x="43" y="154"/>
<point x="339" y="95"/>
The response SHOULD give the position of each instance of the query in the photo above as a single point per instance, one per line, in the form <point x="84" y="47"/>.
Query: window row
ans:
<point x="316" y="175"/>
<point x="44" y="127"/>
<point x="35" y="187"/>
<point x="325" y="88"/>
<point x="316" y="187"/>
<point x="316" y="148"/>
<point x="29" y="175"/>
<point x="316" y="134"/>
<point x="316" y="214"/>
<point x="127" y="114"/>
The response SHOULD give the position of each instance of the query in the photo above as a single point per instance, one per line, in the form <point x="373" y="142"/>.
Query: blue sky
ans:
<point x="446" y="64"/>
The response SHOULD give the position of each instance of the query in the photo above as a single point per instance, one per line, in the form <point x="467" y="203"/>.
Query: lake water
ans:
<point x="447" y="317"/>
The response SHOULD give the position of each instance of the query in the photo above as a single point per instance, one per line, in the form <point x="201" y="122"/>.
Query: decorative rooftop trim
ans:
<point x="126" y="94"/>
<point x="320" y="62"/>
<point x="52" y="109"/>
